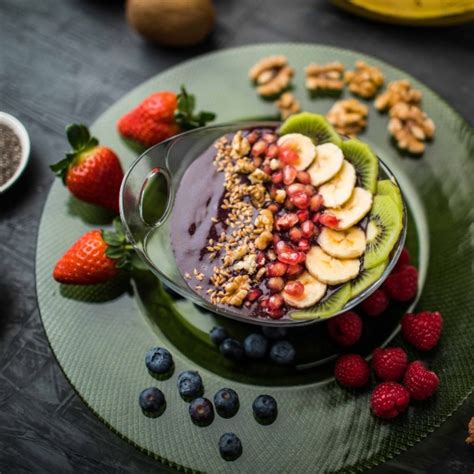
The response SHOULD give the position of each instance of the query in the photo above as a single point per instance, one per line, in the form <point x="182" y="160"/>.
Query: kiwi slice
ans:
<point x="327" y="307"/>
<point x="388" y="188"/>
<point x="383" y="230"/>
<point x="364" y="161"/>
<point x="314" y="126"/>
<point x="366" y="277"/>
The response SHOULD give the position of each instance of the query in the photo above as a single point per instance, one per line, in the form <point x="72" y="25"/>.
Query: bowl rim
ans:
<point x="22" y="134"/>
<point x="203" y="303"/>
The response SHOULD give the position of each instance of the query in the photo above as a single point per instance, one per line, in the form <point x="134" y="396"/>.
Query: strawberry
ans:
<point x="389" y="364"/>
<point x="352" y="371"/>
<point x="376" y="303"/>
<point x="423" y="330"/>
<point x="402" y="285"/>
<point x="420" y="382"/>
<point x="389" y="399"/>
<point x="95" y="258"/>
<point x="160" y="116"/>
<point x="346" y="328"/>
<point x="92" y="173"/>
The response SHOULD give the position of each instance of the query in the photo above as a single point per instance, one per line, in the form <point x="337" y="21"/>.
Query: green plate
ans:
<point x="100" y="335"/>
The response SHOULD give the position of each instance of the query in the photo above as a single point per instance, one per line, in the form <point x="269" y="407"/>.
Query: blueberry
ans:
<point x="190" y="385"/>
<point x="159" y="362"/>
<point x="230" y="447"/>
<point x="218" y="334"/>
<point x="255" y="346"/>
<point x="274" y="333"/>
<point x="282" y="352"/>
<point x="226" y="402"/>
<point x="265" y="409"/>
<point x="152" y="402"/>
<point x="201" y="411"/>
<point x="232" y="349"/>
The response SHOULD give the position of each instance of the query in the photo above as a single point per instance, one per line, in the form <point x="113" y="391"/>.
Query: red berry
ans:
<point x="352" y="371"/>
<point x="294" y="288"/>
<point x="376" y="303"/>
<point x="259" y="148"/>
<point x="389" y="399"/>
<point x="308" y="229"/>
<point x="403" y="285"/>
<point x="389" y="364"/>
<point x="253" y="295"/>
<point x="303" y="177"/>
<point x="275" y="284"/>
<point x="292" y="258"/>
<point x="422" y="330"/>
<point x="345" y="329"/>
<point x="295" y="234"/>
<point x="275" y="302"/>
<point x="276" y="269"/>
<point x="420" y="382"/>
<point x="302" y="215"/>
<point x="288" y="155"/>
<point x="277" y="177"/>
<point x="402" y="261"/>
<point x="294" y="271"/>
<point x="286" y="221"/>
<point x="294" y="188"/>
<point x="289" y="174"/>
<point x="316" y="202"/>
<point x="300" y="200"/>
<point x="304" y="245"/>
<point x="329" y="220"/>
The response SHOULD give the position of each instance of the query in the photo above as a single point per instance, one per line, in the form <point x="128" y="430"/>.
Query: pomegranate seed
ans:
<point x="259" y="148"/>
<point x="264" y="302"/>
<point x="316" y="217"/>
<point x="294" y="271"/>
<point x="276" y="269"/>
<point x="304" y="245"/>
<point x="275" y="284"/>
<point x="286" y="221"/>
<point x="329" y="220"/>
<point x="252" y="137"/>
<point x="275" y="313"/>
<point x="288" y="155"/>
<point x="288" y="204"/>
<point x="277" y="177"/>
<point x="308" y="228"/>
<point x="291" y="258"/>
<point x="254" y="294"/>
<point x="273" y="207"/>
<point x="269" y="137"/>
<point x="275" y="302"/>
<point x="309" y="190"/>
<point x="316" y="233"/>
<point x="295" y="234"/>
<point x="300" y="200"/>
<point x="302" y="215"/>
<point x="257" y="161"/>
<point x="294" y="288"/>
<point x="294" y="188"/>
<point x="289" y="174"/>
<point x="272" y="151"/>
<point x="303" y="177"/>
<point x="316" y="202"/>
<point x="267" y="169"/>
<point x="261" y="259"/>
<point x="282" y="246"/>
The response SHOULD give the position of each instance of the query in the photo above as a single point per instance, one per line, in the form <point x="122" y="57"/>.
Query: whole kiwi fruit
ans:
<point x="171" y="22"/>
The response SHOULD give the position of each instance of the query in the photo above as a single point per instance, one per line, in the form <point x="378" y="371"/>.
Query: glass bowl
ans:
<point x="147" y="200"/>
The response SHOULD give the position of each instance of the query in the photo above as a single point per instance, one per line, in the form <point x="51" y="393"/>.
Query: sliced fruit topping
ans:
<point x="339" y="189"/>
<point x="314" y="126"/>
<point x="366" y="277"/>
<point x="327" y="164"/>
<point x="365" y="162"/>
<point x="325" y="308"/>
<point x="383" y="230"/>
<point x="303" y="292"/>
<point x="388" y="188"/>
<point x="353" y="211"/>
<point x="330" y="270"/>
<point x="297" y="150"/>
<point x="348" y="243"/>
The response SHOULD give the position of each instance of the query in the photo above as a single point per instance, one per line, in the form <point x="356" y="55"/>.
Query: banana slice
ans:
<point x="302" y="145"/>
<point x="339" y="189"/>
<point x="330" y="270"/>
<point x="353" y="210"/>
<point x="328" y="162"/>
<point x="314" y="290"/>
<point x="348" y="243"/>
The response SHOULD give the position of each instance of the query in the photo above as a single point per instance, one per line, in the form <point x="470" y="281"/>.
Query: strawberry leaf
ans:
<point x="184" y="114"/>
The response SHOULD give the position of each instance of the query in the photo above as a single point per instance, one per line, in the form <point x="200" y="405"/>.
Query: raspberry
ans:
<point x="346" y="328"/>
<point x="352" y="371"/>
<point x="376" y="303"/>
<point x="420" y="382"/>
<point x="389" y="364"/>
<point x="402" y="285"/>
<point x="402" y="261"/>
<point x="423" y="330"/>
<point x="389" y="399"/>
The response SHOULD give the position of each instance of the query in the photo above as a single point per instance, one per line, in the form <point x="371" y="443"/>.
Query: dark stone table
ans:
<point x="65" y="61"/>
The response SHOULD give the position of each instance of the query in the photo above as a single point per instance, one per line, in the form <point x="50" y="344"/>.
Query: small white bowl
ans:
<point x="20" y="130"/>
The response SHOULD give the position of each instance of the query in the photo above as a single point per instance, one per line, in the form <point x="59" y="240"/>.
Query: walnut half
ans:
<point x="272" y="75"/>
<point x="398" y="91"/>
<point x="365" y="80"/>
<point x="348" y="117"/>
<point x="325" y="77"/>
<point x="288" y="105"/>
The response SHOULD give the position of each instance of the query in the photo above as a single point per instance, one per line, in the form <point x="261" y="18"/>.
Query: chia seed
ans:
<point x="10" y="153"/>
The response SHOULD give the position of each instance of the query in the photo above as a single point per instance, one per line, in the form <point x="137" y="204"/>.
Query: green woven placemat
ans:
<point x="100" y="335"/>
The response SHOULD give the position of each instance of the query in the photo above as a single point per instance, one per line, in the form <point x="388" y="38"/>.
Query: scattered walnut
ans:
<point x="240" y="145"/>
<point x="272" y="75"/>
<point x="325" y="77"/>
<point x="244" y="166"/>
<point x="348" y="117"/>
<point x="264" y="220"/>
<point x="235" y="255"/>
<point x="470" y="427"/>
<point x="263" y="240"/>
<point x="288" y="105"/>
<point x="410" y="127"/>
<point x="398" y="91"/>
<point x="258" y="175"/>
<point x="249" y="264"/>
<point x="236" y="290"/>
<point x="258" y="195"/>
<point x="365" y="80"/>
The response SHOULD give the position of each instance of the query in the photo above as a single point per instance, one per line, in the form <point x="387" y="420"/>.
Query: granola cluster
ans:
<point x="364" y="80"/>
<point x="272" y="75"/>
<point x="348" y="117"/>
<point x="325" y="77"/>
